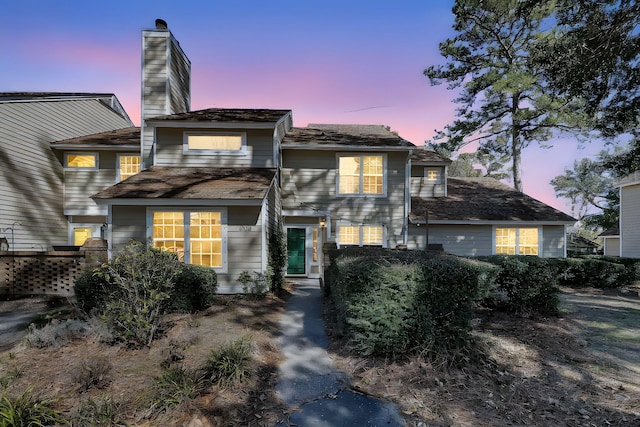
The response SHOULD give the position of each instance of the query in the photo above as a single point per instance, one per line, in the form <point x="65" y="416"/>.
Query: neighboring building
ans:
<point x="578" y="245"/>
<point x="611" y="241"/>
<point x="32" y="176"/>
<point x="214" y="183"/>
<point x="628" y="232"/>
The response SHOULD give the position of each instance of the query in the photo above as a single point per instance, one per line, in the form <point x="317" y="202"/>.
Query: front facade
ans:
<point x="629" y="236"/>
<point x="213" y="185"/>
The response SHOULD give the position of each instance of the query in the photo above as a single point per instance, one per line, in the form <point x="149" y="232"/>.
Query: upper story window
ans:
<point x="517" y="241"/>
<point x="128" y="165"/>
<point x="433" y="175"/>
<point x="87" y="161"/>
<point x="361" y="175"/>
<point x="215" y="142"/>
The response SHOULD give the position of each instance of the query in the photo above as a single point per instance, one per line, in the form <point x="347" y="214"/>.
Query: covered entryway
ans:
<point x="303" y="251"/>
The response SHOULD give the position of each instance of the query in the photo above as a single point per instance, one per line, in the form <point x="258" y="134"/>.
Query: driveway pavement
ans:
<point x="15" y="316"/>
<point x="318" y="394"/>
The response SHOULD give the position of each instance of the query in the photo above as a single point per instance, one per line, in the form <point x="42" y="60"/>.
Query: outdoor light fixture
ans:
<point x="323" y="222"/>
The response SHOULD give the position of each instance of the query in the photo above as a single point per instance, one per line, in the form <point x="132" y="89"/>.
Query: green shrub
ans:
<point x="195" y="289"/>
<point x="277" y="262"/>
<point x="176" y="386"/>
<point x="27" y="410"/>
<point x="230" y="363"/>
<point x="597" y="271"/>
<point x="93" y="372"/>
<point x="100" y="412"/>
<point x="254" y="285"/>
<point x="93" y="289"/>
<point x="524" y="285"/>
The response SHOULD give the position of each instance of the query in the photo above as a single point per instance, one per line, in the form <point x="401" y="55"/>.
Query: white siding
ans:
<point x="31" y="176"/>
<point x="630" y="221"/>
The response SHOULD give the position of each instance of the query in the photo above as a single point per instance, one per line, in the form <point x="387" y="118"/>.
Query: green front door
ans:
<point x="296" y="248"/>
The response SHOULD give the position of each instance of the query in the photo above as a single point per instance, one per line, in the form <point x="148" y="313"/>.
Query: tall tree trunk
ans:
<point x="516" y="143"/>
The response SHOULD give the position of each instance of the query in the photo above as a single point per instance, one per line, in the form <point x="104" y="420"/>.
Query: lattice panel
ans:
<point x="40" y="274"/>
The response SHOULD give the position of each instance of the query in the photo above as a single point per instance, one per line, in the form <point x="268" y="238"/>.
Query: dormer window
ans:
<point x="215" y="142"/>
<point x="433" y="176"/>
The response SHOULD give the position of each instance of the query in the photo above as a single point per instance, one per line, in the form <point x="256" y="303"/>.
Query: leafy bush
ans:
<point x="27" y="410"/>
<point x="255" y="286"/>
<point x="277" y="259"/>
<point x="92" y="290"/>
<point x="229" y="363"/>
<point x="194" y="290"/>
<point x="525" y="284"/>
<point x="597" y="272"/>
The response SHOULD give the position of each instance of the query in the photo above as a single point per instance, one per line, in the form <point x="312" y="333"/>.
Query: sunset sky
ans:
<point x="330" y="61"/>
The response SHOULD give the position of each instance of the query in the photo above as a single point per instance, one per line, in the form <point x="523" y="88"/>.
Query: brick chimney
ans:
<point x="166" y="81"/>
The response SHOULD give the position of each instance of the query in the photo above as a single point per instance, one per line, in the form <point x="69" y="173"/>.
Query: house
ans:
<point x="212" y="185"/>
<point x="624" y="240"/>
<point x="36" y="182"/>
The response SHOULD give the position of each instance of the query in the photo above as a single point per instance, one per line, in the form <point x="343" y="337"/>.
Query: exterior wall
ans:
<point x="421" y="188"/>
<point x="553" y="241"/>
<point x="477" y="240"/>
<point x="630" y="221"/>
<point x="166" y="82"/>
<point x="31" y="176"/>
<point x="309" y="182"/>
<point x="462" y="240"/>
<point x="611" y="246"/>
<point x="244" y="239"/>
<point x="259" y="153"/>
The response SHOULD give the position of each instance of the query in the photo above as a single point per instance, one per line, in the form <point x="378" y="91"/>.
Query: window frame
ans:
<point x="361" y="228"/>
<point x="81" y="153"/>
<point x="517" y="239"/>
<point x="118" y="165"/>
<point x="436" y="181"/>
<point x="361" y="192"/>
<point x="186" y="220"/>
<point x="186" y="150"/>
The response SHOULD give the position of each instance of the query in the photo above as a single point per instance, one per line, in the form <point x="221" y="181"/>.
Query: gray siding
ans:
<point x="553" y="241"/>
<point x="611" y="246"/>
<point x="127" y="223"/>
<point x="630" y="221"/>
<point x="421" y="188"/>
<point x="309" y="182"/>
<point x="166" y="81"/>
<point x="462" y="240"/>
<point x="169" y="150"/>
<point x="31" y="177"/>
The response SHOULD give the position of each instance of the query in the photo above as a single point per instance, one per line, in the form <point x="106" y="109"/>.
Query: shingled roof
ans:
<point x="344" y="135"/>
<point x="422" y="155"/>
<point x="114" y="138"/>
<point x="227" y="115"/>
<point x="483" y="199"/>
<point x="193" y="183"/>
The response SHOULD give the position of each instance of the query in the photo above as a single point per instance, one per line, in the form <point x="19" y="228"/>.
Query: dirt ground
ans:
<point x="581" y="369"/>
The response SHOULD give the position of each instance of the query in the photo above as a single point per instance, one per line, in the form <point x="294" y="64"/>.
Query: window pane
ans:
<point x="528" y="241"/>
<point x="349" y="172"/>
<point x="506" y="241"/>
<point x="348" y="235"/>
<point x="372" y="236"/>
<point x="205" y="233"/>
<point x="215" y="142"/>
<point x="373" y="174"/>
<point x="81" y="234"/>
<point x="129" y="166"/>
<point x="433" y="176"/>
<point x="168" y="232"/>
<point x="81" y="160"/>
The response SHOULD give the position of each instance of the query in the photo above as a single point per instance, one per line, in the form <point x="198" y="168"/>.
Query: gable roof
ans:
<point x="120" y="138"/>
<point x="329" y="135"/>
<point x="423" y="156"/>
<point x="613" y="231"/>
<point x="159" y="182"/>
<point x="483" y="199"/>
<point x="226" y="115"/>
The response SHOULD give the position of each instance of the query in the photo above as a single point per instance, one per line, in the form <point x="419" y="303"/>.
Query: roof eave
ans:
<point x="337" y="147"/>
<point x="94" y="147"/>
<point x="207" y="124"/>
<point x="178" y="202"/>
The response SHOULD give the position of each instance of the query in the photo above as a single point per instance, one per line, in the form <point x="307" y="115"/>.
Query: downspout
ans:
<point x="407" y="198"/>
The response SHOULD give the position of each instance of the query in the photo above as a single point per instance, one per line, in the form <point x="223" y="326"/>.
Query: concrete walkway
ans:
<point x="317" y="393"/>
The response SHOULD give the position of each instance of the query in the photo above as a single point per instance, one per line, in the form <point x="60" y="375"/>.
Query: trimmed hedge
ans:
<point x="598" y="271"/>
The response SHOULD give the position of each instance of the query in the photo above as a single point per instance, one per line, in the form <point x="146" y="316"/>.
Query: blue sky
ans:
<point x="329" y="61"/>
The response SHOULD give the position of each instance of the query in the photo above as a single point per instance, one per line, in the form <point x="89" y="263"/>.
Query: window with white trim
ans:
<point x="517" y="241"/>
<point x="360" y="235"/>
<point x="361" y="175"/>
<point x="433" y="175"/>
<point x="196" y="236"/>
<point x="83" y="161"/>
<point x="202" y="142"/>
<point x="128" y="165"/>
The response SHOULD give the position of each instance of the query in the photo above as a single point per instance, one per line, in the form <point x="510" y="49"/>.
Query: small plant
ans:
<point x="175" y="386"/>
<point x="229" y="363"/>
<point x="11" y="375"/>
<point x="277" y="259"/>
<point x="27" y="410"/>
<point x="255" y="286"/>
<point x="57" y="333"/>
<point x="102" y="412"/>
<point x="93" y="372"/>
